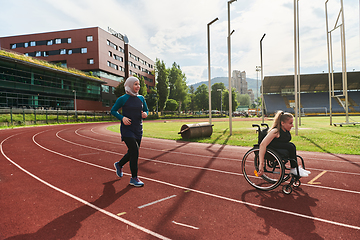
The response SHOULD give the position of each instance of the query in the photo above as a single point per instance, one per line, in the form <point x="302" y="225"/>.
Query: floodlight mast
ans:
<point x="262" y="80"/>
<point x="229" y="67"/>
<point x="340" y="25"/>
<point x="209" y="75"/>
<point x="296" y="66"/>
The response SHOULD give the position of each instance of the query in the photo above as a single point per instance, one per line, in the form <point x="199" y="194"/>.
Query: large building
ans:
<point x="106" y="54"/>
<point x="239" y="82"/>
<point x="29" y="83"/>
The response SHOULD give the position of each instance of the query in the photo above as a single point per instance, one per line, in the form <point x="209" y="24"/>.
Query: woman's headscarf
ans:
<point x="129" y="86"/>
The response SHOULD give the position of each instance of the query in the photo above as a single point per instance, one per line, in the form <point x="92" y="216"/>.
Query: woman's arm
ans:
<point x="262" y="148"/>
<point x="118" y="104"/>
<point x="145" y="111"/>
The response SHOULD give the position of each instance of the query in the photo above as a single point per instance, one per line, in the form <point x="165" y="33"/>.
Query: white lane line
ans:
<point x="77" y="198"/>
<point x="158" y="150"/>
<point x="206" y="156"/>
<point x="304" y="153"/>
<point x="160" y="200"/>
<point x="194" y="167"/>
<point x="220" y="197"/>
<point x="185" y="225"/>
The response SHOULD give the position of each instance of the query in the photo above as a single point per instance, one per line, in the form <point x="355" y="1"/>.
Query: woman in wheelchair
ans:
<point x="278" y="138"/>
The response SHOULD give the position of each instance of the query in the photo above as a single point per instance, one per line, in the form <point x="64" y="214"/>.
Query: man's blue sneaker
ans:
<point x="119" y="170"/>
<point x="136" y="182"/>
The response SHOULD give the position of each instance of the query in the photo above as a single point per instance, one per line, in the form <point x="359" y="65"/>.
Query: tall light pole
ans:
<point x="229" y="66"/>
<point x="296" y="66"/>
<point x="258" y="69"/>
<point x="74" y="91"/>
<point x="208" y="39"/>
<point x="220" y="90"/>
<point x="262" y="80"/>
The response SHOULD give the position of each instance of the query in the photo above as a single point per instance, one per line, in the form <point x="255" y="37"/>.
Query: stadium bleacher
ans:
<point x="314" y="96"/>
<point x="312" y="103"/>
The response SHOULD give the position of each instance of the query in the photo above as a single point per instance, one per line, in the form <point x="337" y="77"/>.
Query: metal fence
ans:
<point x="23" y="116"/>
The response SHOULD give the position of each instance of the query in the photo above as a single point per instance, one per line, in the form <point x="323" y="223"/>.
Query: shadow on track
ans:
<point x="67" y="225"/>
<point x="169" y="216"/>
<point x="292" y="226"/>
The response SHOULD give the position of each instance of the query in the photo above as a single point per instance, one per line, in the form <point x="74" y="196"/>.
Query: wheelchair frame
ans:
<point x="275" y="170"/>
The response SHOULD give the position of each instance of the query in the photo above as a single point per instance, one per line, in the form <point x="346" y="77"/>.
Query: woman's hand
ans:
<point x="126" y="121"/>
<point x="261" y="169"/>
<point x="144" y="114"/>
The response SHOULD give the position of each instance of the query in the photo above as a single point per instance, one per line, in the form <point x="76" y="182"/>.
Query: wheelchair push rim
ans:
<point x="274" y="170"/>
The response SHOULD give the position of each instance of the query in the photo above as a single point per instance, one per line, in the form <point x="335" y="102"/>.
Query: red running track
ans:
<point x="58" y="182"/>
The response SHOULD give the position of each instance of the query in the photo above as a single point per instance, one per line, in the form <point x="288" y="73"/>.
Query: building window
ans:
<point x="46" y="54"/>
<point x="26" y="54"/>
<point x="32" y="44"/>
<point x="110" y="54"/>
<point x="83" y="50"/>
<point x="112" y="45"/>
<point x="118" y="58"/>
<point x="62" y="51"/>
<point x="121" y="49"/>
<point x="13" y="46"/>
<point x="105" y="89"/>
<point x="49" y="42"/>
<point x="69" y="40"/>
<point x="57" y="41"/>
<point x="70" y="51"/>
<point x="38" y="54"/>
<point x="26" y="44"/>
<point x="89" y="38"/>
<point x="90" y="61"/>
<point x="110" y="64"/>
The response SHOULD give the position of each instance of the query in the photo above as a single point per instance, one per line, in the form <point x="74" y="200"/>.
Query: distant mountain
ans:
<point x="251" y="83"/>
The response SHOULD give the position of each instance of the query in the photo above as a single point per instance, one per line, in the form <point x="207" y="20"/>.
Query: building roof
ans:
<point x="310" y="82"/>
<point x="14" y="57"/>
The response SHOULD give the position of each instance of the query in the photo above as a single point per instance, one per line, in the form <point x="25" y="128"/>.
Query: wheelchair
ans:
<point x="276" y="166"/>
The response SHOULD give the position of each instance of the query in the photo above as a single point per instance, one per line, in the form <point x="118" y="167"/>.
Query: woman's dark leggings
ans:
<point x="132" y="154"/>
<point x="290" y="147"/>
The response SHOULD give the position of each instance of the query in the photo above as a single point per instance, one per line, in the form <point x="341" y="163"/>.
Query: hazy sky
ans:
<point x="176" y="30"/>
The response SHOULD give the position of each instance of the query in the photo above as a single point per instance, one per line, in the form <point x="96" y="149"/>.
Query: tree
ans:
<point x="216" y="95"/>
<point x="120" y="89"/>
<point x="226" y="99"/>
<point x="151" y="100"/>
<point x="186" y="104"/>
<point x="177" y="84"/>
<point x="191" y="95"/>
<point x="171" y="105"/>
<point x="243" y="99"/>
<point x="202" y="97"/>
<point x="162" y="83"/>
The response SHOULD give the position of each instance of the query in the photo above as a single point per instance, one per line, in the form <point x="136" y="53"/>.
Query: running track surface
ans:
<point x="58" y="182"/>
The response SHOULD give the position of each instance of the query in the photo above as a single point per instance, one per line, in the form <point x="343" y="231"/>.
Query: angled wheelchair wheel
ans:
<point x="273" y="170"/>
<point x="287" y="170"/>
<point x="287" y="189"/>
<point x="296" y="183"/>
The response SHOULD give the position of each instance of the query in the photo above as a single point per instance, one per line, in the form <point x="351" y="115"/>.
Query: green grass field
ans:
<point x="315" y="133"/>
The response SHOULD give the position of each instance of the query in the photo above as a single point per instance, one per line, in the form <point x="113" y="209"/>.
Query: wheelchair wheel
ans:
<point x="287" y="170"/>
<point x="296" y="183"/>
<point x="273" y="170"/>
<point x="287" y="189"/>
